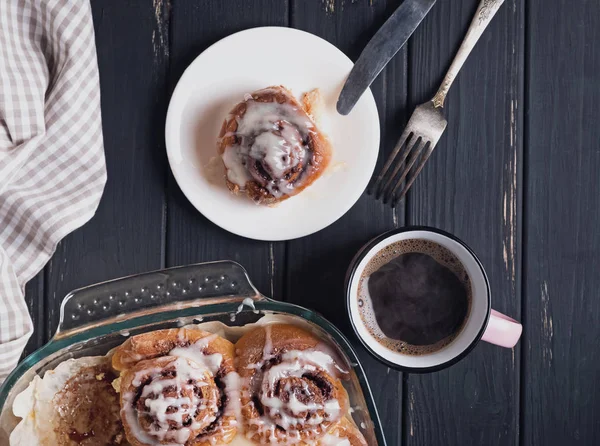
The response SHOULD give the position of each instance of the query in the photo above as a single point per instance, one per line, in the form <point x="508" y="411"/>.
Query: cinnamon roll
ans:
<point x="291" y="391"/>
<point x="344" y="433"/>
<point x="178" y="387"/>
<point x="271" y="146"/>
<point x="74" y="404"/>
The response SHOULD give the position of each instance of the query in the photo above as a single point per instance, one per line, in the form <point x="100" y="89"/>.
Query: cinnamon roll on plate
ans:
<point x="272" y="148"/>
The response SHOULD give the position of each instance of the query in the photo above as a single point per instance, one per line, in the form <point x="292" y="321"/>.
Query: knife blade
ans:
<point x="381" y="48"/>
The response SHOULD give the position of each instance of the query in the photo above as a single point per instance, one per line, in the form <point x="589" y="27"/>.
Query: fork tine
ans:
<point x="376" y="187"/>
<point x="415" y="173"/>
<point x="415" y="152"/>
<point x="398" y="162"/>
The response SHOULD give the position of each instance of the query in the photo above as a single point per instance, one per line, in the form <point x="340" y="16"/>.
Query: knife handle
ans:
<point x="485" y="12"/>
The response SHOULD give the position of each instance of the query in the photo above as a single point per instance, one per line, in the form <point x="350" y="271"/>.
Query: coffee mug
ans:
<point x="481" y="322"/>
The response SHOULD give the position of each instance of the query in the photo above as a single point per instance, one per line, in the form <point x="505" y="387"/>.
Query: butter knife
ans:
<point x="381" y="48"/>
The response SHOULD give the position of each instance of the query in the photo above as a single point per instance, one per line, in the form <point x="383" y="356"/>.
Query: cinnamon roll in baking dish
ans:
<point x="291" y="391"/>
<point x="271" y="146"/>
<point x="178" y="387"/>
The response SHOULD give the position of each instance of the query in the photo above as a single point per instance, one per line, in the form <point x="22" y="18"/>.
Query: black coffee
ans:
<point x="414" y="296"/>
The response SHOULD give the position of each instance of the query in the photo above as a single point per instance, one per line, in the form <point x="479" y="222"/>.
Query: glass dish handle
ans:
<point x="168" y="289"/>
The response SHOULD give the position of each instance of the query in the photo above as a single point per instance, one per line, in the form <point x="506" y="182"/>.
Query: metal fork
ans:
<point x="427" y="123"/>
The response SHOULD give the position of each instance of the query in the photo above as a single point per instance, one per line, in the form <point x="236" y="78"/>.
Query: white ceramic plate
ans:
<point x="218" y="79"/>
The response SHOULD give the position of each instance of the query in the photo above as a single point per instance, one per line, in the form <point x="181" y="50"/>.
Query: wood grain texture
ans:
<point x="317" y="264"/>
<point x="191" y="237"/>
<point x="471" y="186"/>
<point x="125" y="235"/>
<point x="36" y="304"/>
<point x="561" y="374"/>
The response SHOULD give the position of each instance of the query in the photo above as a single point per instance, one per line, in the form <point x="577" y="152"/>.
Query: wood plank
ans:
<point x="125" y="236"/>
<point x="562" y="244"/>
<point x="191" y="237"/>
<point x="471" y="186"/>
<point x="317" y="264"/>
<point x="34" y="296"/>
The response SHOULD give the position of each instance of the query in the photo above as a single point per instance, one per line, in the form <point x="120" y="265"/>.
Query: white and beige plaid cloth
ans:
<point x="52" y="169"/>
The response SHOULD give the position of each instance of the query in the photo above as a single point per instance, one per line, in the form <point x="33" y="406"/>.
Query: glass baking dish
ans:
<point x="97" y="318"/>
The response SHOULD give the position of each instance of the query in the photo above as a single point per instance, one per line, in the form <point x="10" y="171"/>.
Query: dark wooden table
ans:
<point x="516" y="175"/>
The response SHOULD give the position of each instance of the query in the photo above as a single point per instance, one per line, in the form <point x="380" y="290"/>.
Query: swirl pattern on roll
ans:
<point x="290" y="389"/>
<point x="271" y="146"/>
<point x="178" y="386"/>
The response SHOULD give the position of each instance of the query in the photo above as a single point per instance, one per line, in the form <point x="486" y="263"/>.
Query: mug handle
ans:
<point x="502" y="330"/>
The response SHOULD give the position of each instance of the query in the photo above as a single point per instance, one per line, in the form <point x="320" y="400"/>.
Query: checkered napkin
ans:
<point x="52" y="170"/>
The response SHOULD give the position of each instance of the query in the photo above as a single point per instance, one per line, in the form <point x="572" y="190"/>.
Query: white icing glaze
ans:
<point x="277" y="151"/>
<point x="195" y="353"/>
<point x="334" y="440"/>
<point x="232" y="389"/>
<point x="291" y="413"/>
<point x="268" y="347"/>
<point x="249" y="302"/>
<point x="315" y="358"/>
<point x="188" y="374"/>
<point x="265" y="115"/>
<point x="211" y="363"/>
<point x="296" y="364"/>
<point x="273" y="136"/>
<point x="235" y="162"/>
